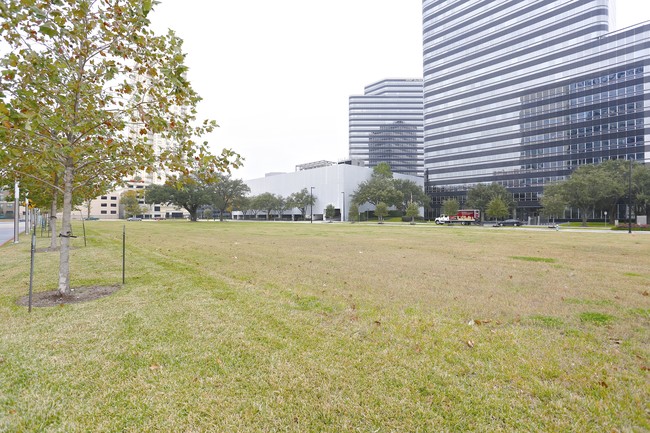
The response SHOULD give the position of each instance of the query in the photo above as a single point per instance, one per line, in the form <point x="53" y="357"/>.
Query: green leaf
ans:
<point x="47" y="30"/>
<point x="146" y="7"/>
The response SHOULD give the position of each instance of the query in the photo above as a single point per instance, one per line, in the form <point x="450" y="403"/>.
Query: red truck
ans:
<point x="464" y="217"/>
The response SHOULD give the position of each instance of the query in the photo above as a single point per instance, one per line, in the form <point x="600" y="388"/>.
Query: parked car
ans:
<point x="92" y="218"/>
<point x="510" y="222"/>
<point x="134" y="219"/>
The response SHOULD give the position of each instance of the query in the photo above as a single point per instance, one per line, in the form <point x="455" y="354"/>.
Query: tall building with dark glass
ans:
<point x="386" y="125"/>
<point x="522" y="92"/>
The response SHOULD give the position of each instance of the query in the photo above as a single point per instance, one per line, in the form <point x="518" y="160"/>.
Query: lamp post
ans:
<point x="629" y="192"/>
<point x="311" y="205"/>
<point x="605" y="217"/>
<point x="343" y="207"/>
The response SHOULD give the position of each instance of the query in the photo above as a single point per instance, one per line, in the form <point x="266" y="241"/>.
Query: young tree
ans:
<point x="353" y="212"/>
<point x="330" y="210"/>
<point x="480" y="195"/>
<point x="85" y="84"/>
<point x="553" y="201"/>
<point x="450" y="206"/>
<point x="497" y="208"/>
<point x="381" y="210"/>
<point x="226" y="192"/>
<point x="412" y="211"/>
<point x="129" y="200"/>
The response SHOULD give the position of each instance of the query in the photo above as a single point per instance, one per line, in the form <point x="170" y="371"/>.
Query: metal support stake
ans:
<point x="123" y="252"/>
<point x="31" y="270"/>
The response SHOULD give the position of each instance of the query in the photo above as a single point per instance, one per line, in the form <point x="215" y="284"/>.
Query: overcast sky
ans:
<point x="276" y="75"/>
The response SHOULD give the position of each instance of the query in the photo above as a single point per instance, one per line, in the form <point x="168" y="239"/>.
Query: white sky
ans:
<point x="276" y="75"/>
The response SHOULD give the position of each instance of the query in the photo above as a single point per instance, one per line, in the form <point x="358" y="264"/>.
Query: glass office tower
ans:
<point x="386" y="125"/>
<point x="522" y="92"/>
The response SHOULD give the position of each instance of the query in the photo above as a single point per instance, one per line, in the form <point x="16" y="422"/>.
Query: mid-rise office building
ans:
<point x="386" y="125"/>
<point x="523" y="92"/>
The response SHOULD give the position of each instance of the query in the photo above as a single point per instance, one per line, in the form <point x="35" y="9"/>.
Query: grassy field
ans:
<point x="280" y="327"/>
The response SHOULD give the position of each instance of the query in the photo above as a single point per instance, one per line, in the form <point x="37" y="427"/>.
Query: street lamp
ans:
<point x="629" y="192"/>
<point x="605" y="217"/>
<point x="343" y="207"/>
<point x="311" y="205"/>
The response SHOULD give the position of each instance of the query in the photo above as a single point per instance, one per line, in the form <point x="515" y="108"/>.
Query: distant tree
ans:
<point x="302" y="200"/>
<point x="412" y="211"/>
<point x="479" y="196"/>
<point x="553" y="201"/>
<point x="450" y="207"/>
<point x="207" y="213"/>
<point x="641" y="188"/>
<point x="226" y="191"/>
<point x="379" y="188"/>
<point x="266" y="202"/>
<point x="410" y="192"/>
<point x="583" y="190"/>
<point x="187" y="191"/>
<point x="353" y="212"/>
<point x="330" y="211"/>
<point x="497" y="208"/>
<point x="243" y="204"/>
<point x="381" y="210"/>
<point x="130" y="204"/>
<point x="256" y="205"/>
<point x="383" y="170"/>
<point x="280" y="205"/>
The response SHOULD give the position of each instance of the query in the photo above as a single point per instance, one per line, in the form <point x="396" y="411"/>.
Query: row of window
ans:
<point x="562" y="105"/>
<point x="113" y="212"/>
<point x="606" y="79"/>
<point x="587" y="131"/>
<point x="106" y="198"/>
<point x="106" y="204"/>
<point x="597" y="145"/>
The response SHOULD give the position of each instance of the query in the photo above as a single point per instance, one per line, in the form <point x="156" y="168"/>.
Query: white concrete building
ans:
<point x="330" y="185"/>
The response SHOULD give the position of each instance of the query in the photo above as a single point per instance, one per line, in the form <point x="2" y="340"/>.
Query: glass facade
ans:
<point x="522" y="92"/>
<point x="386" y="125"/>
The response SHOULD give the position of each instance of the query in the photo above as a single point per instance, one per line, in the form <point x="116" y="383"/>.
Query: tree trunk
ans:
<point x="53" y="239"/>
<point x="66" y="230"/>
<point x="584" y="214"/>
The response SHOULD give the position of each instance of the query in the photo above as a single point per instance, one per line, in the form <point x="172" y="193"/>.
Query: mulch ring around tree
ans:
<point x="77" y="295"/>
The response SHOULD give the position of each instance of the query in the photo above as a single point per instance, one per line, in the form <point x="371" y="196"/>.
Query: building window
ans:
<point x="103" y="212"/>
<point x="113" y="204"/>
<point x="113" y="212"/>
<point x="104" y="205"/>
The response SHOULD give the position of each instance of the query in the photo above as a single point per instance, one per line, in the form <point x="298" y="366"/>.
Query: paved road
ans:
<point x="6" y="231"/>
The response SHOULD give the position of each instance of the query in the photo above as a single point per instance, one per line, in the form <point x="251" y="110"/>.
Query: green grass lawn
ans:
<point x="264" y="327"/>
